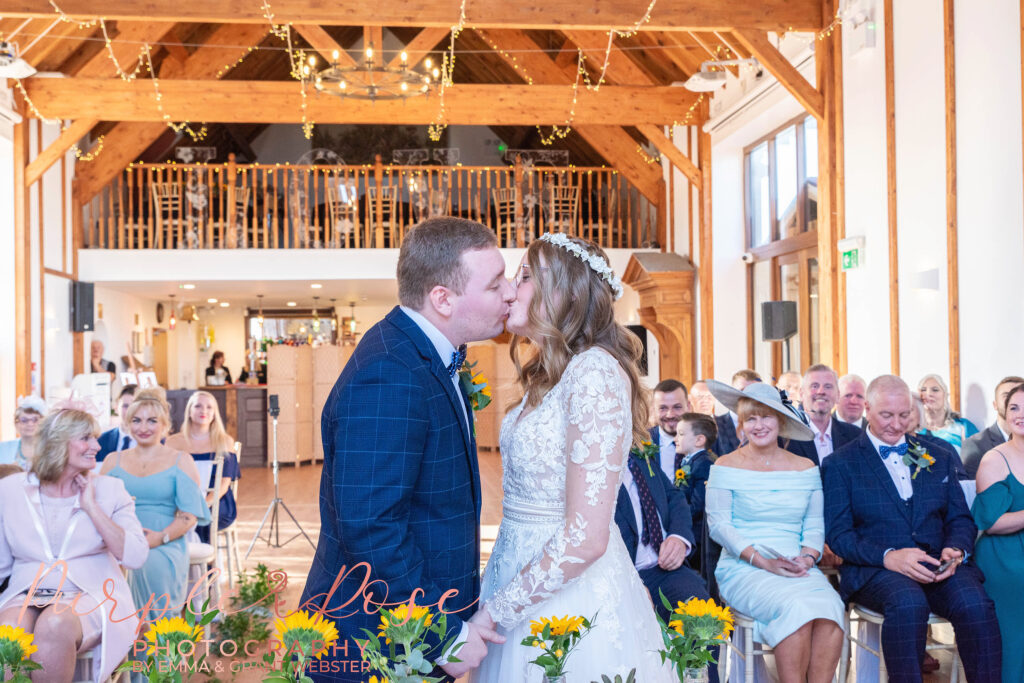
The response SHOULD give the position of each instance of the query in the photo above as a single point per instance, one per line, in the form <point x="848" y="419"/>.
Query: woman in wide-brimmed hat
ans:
<point x="764" y="506"/>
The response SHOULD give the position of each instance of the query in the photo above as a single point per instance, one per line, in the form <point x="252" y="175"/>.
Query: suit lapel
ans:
<point x="626" y="506"/>
<point x="876" y="465"/>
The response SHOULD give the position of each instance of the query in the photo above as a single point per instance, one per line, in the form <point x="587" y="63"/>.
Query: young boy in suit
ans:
<point x="694" y="435"/>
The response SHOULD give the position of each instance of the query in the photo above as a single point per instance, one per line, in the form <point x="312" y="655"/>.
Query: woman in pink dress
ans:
<point x="57" y="515"/>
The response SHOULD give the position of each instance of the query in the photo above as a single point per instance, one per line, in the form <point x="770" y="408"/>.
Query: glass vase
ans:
<point x="695" y="675"/>
<point x="555" y="679"/>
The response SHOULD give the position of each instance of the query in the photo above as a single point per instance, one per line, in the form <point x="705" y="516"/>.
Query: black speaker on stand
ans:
<point x="779" y="323"/>
<point x="82" y="299"/>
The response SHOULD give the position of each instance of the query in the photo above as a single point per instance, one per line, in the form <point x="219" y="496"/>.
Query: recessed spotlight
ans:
<point x="290" y="303"/>
<point x="188" y="286"/>
<point x="211" y="301"/>
<point x="316" y="285"/>
<point x="224" y="304"/>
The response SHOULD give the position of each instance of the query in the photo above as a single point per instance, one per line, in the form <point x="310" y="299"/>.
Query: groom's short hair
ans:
<point x="430" y="256"/>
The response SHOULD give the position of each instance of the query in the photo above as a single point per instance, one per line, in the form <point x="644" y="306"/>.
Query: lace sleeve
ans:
<point x="598" y="438"/>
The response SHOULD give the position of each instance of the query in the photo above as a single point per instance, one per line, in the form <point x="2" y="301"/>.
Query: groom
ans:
<point x="400" y="491"/>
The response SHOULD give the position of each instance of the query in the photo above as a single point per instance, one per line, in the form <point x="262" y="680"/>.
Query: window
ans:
<point x="781" y="174"/>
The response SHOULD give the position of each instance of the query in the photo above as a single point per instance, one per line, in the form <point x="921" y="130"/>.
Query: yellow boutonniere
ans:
<point x="682" y="476"/>
<point x="475" y="386"/>
<point x="646" y="451"/>
<point x="918" y="455"/>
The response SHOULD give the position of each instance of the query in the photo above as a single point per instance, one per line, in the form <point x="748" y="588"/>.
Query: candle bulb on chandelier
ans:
<point x="404" y="58"/>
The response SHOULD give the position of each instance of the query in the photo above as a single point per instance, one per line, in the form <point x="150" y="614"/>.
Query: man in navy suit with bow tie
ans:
<point x="900" y="522"/>
<point x="400" y="490"/>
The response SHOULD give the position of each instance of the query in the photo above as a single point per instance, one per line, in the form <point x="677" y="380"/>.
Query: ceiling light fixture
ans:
<point x="712" y="75"/>
<point x="188" y="286"/>
<point x="316" y="285"/>
<point x="374" y="80"/>
<point x="291" y="304"/>
<point x="211" y="301"/>
<point x="173" y="320"/>
<point x="316" y="315"/>
<point x="11" y="65"/>
<point x="224" y="304"/>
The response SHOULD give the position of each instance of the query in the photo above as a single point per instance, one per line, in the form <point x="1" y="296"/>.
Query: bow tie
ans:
<point x="884" y="450"/>
<point x="458" y="358"/>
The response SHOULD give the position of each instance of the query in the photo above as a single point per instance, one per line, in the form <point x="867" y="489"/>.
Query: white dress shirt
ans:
<point x="646" y="555"/>
<point x="444" y="348"/>
<point x="822" y="441"/>
<point x="667" y="443"/>
<point x="898" y="470"/>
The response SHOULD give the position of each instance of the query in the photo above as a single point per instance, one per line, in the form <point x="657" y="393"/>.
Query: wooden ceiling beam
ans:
<point x="422" y="45"/>
<point x="374" y="35"/>
<point x="736" y="51"/>
<point x="714" y="55"/>
<point x="56" y="149"/>
<point x="245" y="102"/>
<point x="621" y="69"/>
<point x="126" y="46"/>
<point x="780" y="67"/>
<point x="685" y="55"/>
<point x="612" y="142"/>
<point x="667" y="147"/>
<point x="126" y="141"/>
<point x="764" y="15"/>
<point x="325" y="44"/>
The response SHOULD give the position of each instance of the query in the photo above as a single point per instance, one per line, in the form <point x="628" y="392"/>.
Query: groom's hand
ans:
<point x="481" y="630"/>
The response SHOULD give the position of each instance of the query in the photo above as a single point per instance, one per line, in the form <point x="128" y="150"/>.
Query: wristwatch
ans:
<point x="166" y="538"/>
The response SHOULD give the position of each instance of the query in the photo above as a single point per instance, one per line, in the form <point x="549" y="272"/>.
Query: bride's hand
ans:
<point x="483" y="618"/>
<point x="781" y="566"/>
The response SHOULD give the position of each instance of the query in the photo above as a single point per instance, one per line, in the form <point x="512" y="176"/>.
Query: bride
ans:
<point x="558" y="550"/>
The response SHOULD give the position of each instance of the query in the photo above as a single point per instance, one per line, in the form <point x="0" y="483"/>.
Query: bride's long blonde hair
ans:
<point x="572" y="310"/>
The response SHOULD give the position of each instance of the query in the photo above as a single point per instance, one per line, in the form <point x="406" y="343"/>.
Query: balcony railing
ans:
<point x="275" y="206"/>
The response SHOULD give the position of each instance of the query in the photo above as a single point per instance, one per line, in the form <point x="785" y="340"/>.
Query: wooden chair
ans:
<point x="204" y="555"/>
<point x="563" y="208"/>
<point x="504" y="200"/>
<point x="343" y="218"/>
<point x="382" y="234"/>
<point x="604" y="220"/>
<point x="227" y="231"/>
<point x="168" y="202"/>
<point x="227" y="539"/>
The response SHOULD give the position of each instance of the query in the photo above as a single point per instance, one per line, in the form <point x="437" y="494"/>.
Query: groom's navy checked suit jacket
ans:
<point x="865" y="516"/>
<point x="400" y="488"/>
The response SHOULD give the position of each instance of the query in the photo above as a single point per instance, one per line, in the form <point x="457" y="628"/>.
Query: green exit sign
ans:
<point x="851" y="259"/>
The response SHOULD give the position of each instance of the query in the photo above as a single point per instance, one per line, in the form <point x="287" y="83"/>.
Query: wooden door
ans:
<point x="160" y="355"/>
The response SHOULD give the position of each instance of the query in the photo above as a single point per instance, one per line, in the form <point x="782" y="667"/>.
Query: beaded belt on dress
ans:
<point x="522" y="511"/>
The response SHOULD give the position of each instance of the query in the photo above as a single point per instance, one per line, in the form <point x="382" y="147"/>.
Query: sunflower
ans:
<point x="303" y="629"/>
<point x="14" y="641"/>
<point x="171" y="630"/>
<point x="696" y="609"/>
<point x="559" y="625"/>
<point x="400" y="617"/>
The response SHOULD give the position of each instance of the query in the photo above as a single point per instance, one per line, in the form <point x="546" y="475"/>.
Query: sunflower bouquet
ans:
<point x="403" y="632"/>
<point x="694" y="627"/>
<point x="15" y="649"/>
<point x="556" y="637"/>
<point x="475" y="386"/>
<point x="174" y="646"/>
<point x="304" y="637"/>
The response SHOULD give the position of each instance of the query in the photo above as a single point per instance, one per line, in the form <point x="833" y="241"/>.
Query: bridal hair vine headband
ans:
<point x="596" y="263"/>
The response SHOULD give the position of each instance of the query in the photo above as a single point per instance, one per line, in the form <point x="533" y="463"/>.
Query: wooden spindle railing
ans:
<point x="274" y="206"/>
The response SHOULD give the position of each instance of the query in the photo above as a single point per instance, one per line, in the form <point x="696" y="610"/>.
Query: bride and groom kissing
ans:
<point x="400" y="491"/>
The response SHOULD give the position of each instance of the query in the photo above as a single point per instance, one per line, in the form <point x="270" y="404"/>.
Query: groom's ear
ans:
<point x="439" y="299"/>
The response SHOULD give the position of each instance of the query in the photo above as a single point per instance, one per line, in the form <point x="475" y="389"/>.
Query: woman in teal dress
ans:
<point x="765" y="507"/>
<point x="168" y="502"/>
<point x="999" y="512"/>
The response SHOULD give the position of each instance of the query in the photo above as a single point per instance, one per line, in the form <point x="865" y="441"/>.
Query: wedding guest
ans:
<point x="217" y="374"/>
<point x="670" y="402"/>
<point x="790" y="383"/>
<point x="913" y="428"/>
<point x="203" y="435"/>
<point x="97" y="363"/>
<point x="900" y="522"/>
<point x="165" y="485"/>
<point x="996" y="433"/>
<point x="118" y="438"/>
<point x="654" y="520"/>
<point x="27" y="415"/>
<point x="701" y="400"/>
<point x="818" y="394"/>
<point x="728" y="423"/>
<point x="850" y="407"/>
<point x="940" y="420"/>
<point x="693" y="461"/>
<point x="764" y="506"/>
<point x="60" y="511"/>
<point x="999" y="513"/>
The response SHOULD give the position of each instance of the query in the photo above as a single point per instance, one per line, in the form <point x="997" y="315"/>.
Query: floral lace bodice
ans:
<point x="562" y="465"/>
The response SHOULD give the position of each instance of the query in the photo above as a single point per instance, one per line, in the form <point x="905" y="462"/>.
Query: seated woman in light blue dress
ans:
<point x="20" y="451"/>
<point x="168" y="501"/>
<point x="940" y="420"/>
<point x="764" y="506"/>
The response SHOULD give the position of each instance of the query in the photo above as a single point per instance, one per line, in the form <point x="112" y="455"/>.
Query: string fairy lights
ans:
<point x="436" y="129"/>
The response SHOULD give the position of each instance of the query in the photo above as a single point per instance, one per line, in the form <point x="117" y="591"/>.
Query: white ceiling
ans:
<point x="276" y="293"/>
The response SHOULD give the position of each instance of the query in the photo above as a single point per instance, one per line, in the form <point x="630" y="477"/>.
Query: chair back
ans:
<point x="563" y="207"/>
<point x="505" y="199"/>
<point x="216" y="466"/>
<point x="380" y="224"/>
<point x="344" y="217"/>
<point x="168" y="201"/>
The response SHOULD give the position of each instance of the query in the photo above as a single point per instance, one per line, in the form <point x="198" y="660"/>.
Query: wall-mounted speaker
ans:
<point x="82" y="306"/>
<point x="778" y="320"/>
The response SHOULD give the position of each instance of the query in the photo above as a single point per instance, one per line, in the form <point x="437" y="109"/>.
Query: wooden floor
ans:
<point x="299" y="489"/>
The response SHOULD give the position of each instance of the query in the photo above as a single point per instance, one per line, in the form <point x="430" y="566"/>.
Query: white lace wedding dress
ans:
<point x="562" y="466"/>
